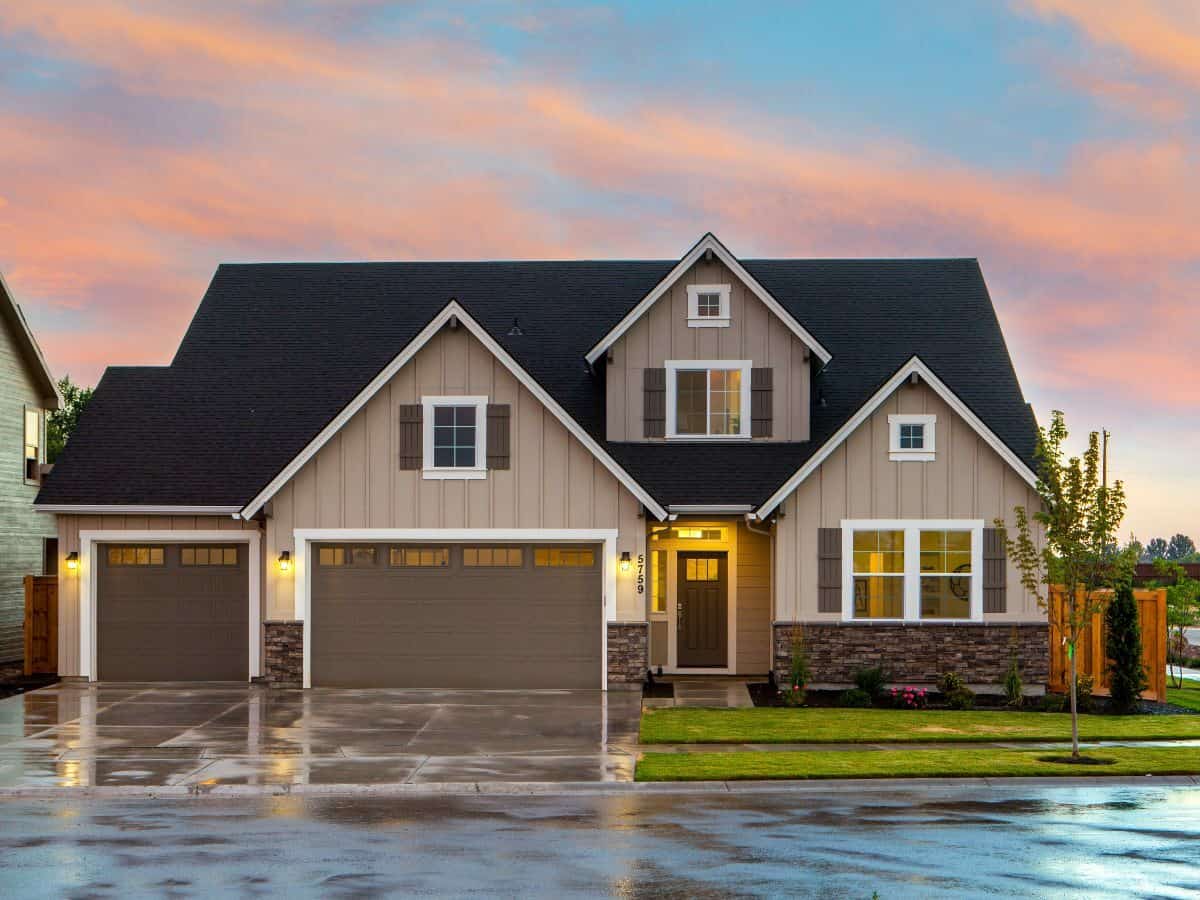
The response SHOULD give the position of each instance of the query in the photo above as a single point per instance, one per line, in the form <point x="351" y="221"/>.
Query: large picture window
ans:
<point x="912" y="570"/>
<point x="708" y="399"/>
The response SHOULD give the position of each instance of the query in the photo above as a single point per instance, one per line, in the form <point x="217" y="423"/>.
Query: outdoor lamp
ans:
<point x="73" y="560"/>
<point x="626" y="562"/>
<point x="285" y="561"/>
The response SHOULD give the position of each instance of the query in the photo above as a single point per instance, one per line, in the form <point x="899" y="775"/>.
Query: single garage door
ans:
<point x="172" y="612"/>
<point x="457" y="616"/>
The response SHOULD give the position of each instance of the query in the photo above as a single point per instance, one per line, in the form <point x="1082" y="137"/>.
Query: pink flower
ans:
<point x="795" y="687"/>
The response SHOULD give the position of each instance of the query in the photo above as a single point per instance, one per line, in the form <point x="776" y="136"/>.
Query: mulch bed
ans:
<point x="13" y="679"/>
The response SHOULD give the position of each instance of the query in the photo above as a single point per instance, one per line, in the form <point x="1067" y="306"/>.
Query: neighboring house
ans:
<point x="555" y="474"/>
<point x="27" y="538"/>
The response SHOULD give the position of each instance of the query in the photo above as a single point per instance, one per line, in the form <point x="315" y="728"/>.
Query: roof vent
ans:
<point x="515" y="331"/>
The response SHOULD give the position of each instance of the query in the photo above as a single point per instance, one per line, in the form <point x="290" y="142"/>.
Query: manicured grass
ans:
<point x="681" y="725"/>
<point x="950" y="762"/>
<point x="1188" y="695"/>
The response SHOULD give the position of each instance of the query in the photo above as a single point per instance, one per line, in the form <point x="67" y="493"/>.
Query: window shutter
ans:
<point x="654" y="409"/>
<point x="498" y="417"/>
<point x="829" y="570"/>
<point x="761" y="402"/>
<point x="409" y="416"/>
<point x="995" y="571"/>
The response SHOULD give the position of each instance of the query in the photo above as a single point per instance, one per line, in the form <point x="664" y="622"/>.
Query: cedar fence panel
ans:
<point x="1091" y="658"/>
<point x="41" y="624"/>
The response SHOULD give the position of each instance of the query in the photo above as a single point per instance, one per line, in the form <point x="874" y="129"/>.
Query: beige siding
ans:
<point x="755" y="333"/>
<point x="753" y="602"/>
<point x="967" y="480"/>
<point x="69" y="528"/>
<point x="355" y="481"/>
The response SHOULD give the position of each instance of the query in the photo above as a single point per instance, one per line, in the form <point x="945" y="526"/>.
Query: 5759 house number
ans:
<point x="641" y="573"/>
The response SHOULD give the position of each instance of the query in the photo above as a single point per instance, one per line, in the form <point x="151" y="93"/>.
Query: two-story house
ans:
<point x="555" y="474"/>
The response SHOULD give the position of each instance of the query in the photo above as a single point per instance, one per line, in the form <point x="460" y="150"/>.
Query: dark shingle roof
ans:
<point x="276" y="350"/>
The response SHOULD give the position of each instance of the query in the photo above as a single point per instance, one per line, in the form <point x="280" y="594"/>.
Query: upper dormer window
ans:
<point x="708" y="399"/>
<point x="708" y="305"/>
<point x="911" y="437"/>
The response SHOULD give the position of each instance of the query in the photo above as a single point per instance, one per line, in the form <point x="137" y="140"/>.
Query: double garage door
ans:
<point x="435" y="615"/>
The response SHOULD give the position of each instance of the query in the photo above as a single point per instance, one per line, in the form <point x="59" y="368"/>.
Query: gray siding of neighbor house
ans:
<point x="22" y="530"/>
<point x="755" y="333"/>
<point x="967" y="480"/>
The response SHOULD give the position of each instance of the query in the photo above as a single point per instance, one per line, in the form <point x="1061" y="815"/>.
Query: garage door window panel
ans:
<point x="568" y="557"/>
<point x="498" y="557"/>
<point x="136" y="556"/>
<point x="208" y="556"/>
<point x="419" y="557"/>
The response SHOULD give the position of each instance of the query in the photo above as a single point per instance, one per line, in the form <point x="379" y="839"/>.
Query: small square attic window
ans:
<point x="911" y="437"/>
<point x="708" y="305"/>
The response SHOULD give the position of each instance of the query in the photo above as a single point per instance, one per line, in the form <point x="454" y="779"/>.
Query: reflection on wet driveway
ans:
<point x="944" y="841"/>
<point x="152" y="735"/>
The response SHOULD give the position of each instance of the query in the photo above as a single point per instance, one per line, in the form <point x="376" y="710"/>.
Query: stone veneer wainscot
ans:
<point x="628" y="654"/>
<point x="283" y="657"/>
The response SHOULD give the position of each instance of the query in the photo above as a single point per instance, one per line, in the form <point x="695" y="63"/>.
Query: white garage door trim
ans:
<point x="306" y="536"/>
<point x="87" y="574"/>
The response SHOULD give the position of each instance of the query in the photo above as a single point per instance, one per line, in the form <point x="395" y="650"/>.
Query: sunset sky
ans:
<point x="1056" y="140"/>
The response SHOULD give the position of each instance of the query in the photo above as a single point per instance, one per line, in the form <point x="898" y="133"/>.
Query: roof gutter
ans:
<point x="131" y="510"/>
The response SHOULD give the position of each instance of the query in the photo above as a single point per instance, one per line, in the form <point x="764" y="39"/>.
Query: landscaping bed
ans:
<point x="13" y="680"/>
<point x="950" y="762"/>
<point x="810" y="725"/>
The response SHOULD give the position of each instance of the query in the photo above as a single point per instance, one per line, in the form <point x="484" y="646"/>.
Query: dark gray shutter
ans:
<point x="654" y="405"/>
<point x="761" y="402"/>
<point x="829" y="570"/>
<point x="995" y="571"/>
<point x="498" y="417"/>
<point x="409" y="416"/>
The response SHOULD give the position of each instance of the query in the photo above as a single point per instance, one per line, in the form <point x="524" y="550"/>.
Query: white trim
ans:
<point x="674" y="366"/>
<point x="913" y="365"/>
<point x="429" y="470"/>
<point x="87" y="572"/>
<point x="928" y="449"/>
<point x="302" y="537"/>
<point x="708" y="243"/>
<point x="722" y="319"/>
<point x="120" y="509"/>
<point x="673" y="547"/>
<point x="729" y="509"/>
<point x="450" y="310"/>
<point x="912" y="566"/>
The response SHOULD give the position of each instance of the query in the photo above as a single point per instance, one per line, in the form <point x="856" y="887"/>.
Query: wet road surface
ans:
<point x="934" y="842"/>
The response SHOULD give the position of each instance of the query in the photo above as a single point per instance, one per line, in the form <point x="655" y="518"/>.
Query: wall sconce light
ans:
<point x="285" y="561"/>
<point x="72" y="560"/>
<point x="626" y="562"/>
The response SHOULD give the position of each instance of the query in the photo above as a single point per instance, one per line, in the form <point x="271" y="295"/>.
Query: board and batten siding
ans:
<point x="753" y="601"/>
<point x="755" y="333"/>
<point x="69" y="527"/>
<point x="355" y="481"/>
<point x="22" y="531"/>
<point x="966" y="480"/>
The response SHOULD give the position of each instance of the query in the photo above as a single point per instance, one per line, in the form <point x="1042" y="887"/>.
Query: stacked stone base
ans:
<point x="283" y="654"/>
<point x="628" y="654"/>
<point x="917" y="654"/>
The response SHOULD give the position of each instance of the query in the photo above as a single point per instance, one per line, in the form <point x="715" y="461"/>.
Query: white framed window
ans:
<point x="34" y="444"/>
<point x="708" y="399"/>
<point x="912" y="437"/>
<point x="912" y="570"/>
<point x="708" y="305"/>
<point x="454" y="437"/>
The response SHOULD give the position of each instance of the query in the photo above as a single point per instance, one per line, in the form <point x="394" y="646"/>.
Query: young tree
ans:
<point x="1126" y="676"/>
<point x="1079" y="553"/>
<point x="1156" y="549"/>
<point x="61" y="422"/>
<point x="1183" y="612"/>
<point x="1180" y="547"/>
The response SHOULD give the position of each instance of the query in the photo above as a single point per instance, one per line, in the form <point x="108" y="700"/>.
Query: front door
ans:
<point x="702" y="610"/>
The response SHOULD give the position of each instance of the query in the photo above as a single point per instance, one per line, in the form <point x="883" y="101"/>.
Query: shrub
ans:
<point x="909" y="698"/>
<point x="855" y="698"/>
<point x="1054" y="703"/>
<point x="796" y="691"/>
<point x="955" y="692"/>
<point x="950" y="681"/>
<point x="871" y="681"/>
<point x="1014" y="694"/>
<point x="1126" y="677"/>
<point x="1083" y="693"/>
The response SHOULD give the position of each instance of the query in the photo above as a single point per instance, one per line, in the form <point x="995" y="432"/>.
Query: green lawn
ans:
<point x="1188" y="695"/>
<point x="951" y="762"/>
<point x="680" y="725"/>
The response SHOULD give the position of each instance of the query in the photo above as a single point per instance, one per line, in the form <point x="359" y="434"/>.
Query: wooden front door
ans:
<point x="702" y="610"/>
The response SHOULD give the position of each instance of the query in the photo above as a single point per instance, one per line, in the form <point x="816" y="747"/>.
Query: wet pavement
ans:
<point x="85" y="736"/>
<point x="934" y="841"/>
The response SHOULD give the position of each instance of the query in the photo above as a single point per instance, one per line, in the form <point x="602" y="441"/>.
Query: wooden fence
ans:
<point x="41" y="624"/>
<point x="1091" y="658"/>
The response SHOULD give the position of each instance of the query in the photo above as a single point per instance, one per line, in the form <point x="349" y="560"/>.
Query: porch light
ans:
<point x="73" y="560"/>
<point x="285" y="561"/>
<point x="626" y="562"/>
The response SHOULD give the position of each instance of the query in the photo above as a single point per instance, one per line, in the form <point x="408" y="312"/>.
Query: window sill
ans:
<point x="854" y="621"/>
<point x="911" y="456"/>
<point x="708" y="437"/>
<point x="708" y="323"/>
<point x="453" y="474"/>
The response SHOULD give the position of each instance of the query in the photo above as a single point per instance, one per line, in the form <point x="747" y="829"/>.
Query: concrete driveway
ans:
<point x="198" y="738"/>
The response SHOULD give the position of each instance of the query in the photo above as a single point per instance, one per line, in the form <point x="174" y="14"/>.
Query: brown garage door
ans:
<point x="456" y="616"/>
<point x="172" y="612"/>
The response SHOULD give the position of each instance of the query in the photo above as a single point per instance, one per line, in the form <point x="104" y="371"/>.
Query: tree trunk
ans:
<point x="1074" y="706"/>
